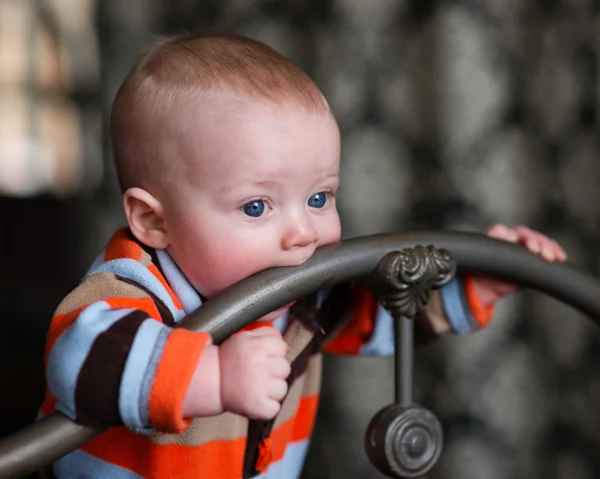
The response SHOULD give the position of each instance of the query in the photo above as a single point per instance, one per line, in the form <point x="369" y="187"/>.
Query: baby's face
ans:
<point x="258" y="192"/>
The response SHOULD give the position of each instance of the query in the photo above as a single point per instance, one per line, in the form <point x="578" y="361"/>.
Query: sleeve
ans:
<point x="113" y="361"/>
<point x="369" y="329"/>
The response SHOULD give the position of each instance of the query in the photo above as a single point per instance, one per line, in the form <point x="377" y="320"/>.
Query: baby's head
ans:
<point x="228" y="157"/>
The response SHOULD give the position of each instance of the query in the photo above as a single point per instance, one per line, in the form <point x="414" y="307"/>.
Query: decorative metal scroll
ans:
<point x="405" y="279"/>
<point x="404" y="440"/>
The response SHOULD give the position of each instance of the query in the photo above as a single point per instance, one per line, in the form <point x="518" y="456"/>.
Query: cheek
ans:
<point x="330" y="231"/>
<point x="224" y="263"/>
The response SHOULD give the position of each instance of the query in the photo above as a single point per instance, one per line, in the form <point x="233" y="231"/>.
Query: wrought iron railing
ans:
<point x="404" y="439"/>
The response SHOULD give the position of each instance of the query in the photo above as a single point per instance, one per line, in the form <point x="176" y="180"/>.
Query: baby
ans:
<point x="229" y="161"/>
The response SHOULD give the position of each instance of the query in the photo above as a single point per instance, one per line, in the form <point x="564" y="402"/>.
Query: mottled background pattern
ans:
<point x="454" y="114"/>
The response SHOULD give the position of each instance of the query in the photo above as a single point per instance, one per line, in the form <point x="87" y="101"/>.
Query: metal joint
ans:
<point x="404" y="280"/>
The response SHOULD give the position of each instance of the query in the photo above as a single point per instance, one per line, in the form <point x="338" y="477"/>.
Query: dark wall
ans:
<point x="454" y="114"/>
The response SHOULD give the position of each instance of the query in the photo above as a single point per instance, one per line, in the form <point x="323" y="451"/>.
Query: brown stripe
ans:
<point x="298" y="338"/>
<point x="145" y="258"/>
<point x="300" y="364"/>
<point x="312" y="319"/>
<point x="163" y="310"/>
<point x="152" y="258"/>
<point x="224" y="427"/>
<point x="98" y="287"/>
<point x="302" y="328"/>
<point x="308" y="384"/>
<point x="97" y="389"/>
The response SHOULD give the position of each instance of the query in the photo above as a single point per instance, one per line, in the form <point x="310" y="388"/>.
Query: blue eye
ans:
<point x="254" y="208"/>
<point x="318" y="200"/>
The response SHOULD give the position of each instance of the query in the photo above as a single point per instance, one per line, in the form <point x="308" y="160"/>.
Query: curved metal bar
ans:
<point x="41" y="443"/>
<point x="268" y="290"/>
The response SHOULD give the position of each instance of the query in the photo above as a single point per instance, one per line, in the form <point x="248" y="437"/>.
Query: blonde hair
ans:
<point x="179" y="69"/>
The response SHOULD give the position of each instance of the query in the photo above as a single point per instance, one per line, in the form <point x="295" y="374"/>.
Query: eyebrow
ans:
<point x="267" y="183"/>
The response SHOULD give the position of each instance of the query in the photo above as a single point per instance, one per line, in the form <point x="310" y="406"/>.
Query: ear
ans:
<point x="145" y="215"/>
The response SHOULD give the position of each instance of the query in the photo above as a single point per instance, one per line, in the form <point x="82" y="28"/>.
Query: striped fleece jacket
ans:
<point x="114" y="358"/>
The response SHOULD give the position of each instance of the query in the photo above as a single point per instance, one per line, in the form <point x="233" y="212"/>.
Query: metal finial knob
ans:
<point x="404" y="442"/>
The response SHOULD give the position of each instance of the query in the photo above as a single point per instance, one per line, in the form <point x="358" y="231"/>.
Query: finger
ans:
<point x="277" y="389"/>
<point x="561" y="254"/>
<point x="268" y="409"/>
<point x="525" y="232"/>
<point x="271" y="409"/>
<point x="550" y="250"/>
<point x="274" y="346"/>
<point x="264" y="332"/>
<point x="530" y="239"/>
<point x="547" y="251"/>
<point x="279" y="368"/>
<point x="503" y="232"/>
<point x="548" y="254"/>
<point x="541" y="244"/>
<point x="557" y="250"/>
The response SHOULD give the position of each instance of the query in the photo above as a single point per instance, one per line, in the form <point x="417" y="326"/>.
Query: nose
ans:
<point x="299" y="233"/>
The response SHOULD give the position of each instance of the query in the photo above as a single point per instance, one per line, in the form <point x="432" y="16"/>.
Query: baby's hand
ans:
<point x="253" y="373"/>
<point x="490" y="290"/>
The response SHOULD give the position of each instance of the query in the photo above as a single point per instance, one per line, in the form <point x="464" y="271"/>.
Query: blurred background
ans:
<point x="454" y="114"/>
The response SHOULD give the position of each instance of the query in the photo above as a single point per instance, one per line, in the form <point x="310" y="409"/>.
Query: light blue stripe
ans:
<point x="456" y="308"/>
<point x="72" y="348"/>
<point x="137" y="272"/>
<point x="136" y="369"/>
<point x="292" y="463"/>
<point x="80" y="465"/>
<point x="189" y="297"/>
<point x="155" y="357"/>
<point x="381" y="342"/>
<point x="281" y="322"/>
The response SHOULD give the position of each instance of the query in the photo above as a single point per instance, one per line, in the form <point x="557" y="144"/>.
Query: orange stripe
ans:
<point x="122" y="246"/>
<point x="305" y="418"/>
<point x="359" y="328"/>
<point x="257" y="324"/>
<point x="61" y="322"/>
<point x="483" y="314"/>
<point x="173" y="376"/>
<point x="214" y="460"/>
<point x="154" y="270"/>
<point x="144" y="304"/>
<point x="297" y="428"/>
<point x="49" y="404"/>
